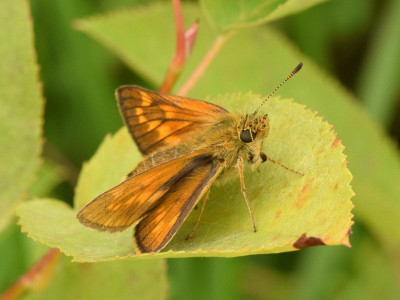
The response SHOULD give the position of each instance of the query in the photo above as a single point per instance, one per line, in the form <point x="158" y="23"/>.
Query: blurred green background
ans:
<point x="356" y="41"/>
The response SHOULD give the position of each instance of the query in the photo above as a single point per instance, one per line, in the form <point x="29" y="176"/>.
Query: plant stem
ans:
<point x="184" y="45"/>
<point x="215" y="48"/>
<point x="35" y="278"/>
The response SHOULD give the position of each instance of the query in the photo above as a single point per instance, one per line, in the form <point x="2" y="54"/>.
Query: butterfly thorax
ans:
<point x="250" y="132"/>
<point x="227" y="137"/>
<point x="232" y="136"/>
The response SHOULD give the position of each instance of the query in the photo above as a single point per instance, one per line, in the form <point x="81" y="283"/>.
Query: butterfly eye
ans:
<point x="245" y="136"/>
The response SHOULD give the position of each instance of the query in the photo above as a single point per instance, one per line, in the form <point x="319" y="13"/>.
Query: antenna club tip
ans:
<point x="299" y="66"/>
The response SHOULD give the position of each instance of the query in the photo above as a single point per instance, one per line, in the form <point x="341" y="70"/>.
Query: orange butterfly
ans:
<point x="187" y="144"/>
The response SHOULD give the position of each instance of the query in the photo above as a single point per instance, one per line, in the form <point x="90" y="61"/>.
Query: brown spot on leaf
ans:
<point x="278" y="214"/>
<point x="302" y="196"/>
<point x="304" y="241"/>
<point x="335" y="143"/>
<point x="336" y="186"/>
<point x="349" y="231"/>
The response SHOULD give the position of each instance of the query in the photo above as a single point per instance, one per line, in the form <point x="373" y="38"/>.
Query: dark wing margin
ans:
<point x="159" y="226"/>
<point x="156" y="120"/>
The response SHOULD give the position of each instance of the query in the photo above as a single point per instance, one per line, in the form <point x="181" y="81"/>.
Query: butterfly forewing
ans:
<point x="124" y="204"/>
<point x="160" y="225"/>
<point x="157" y="120"/>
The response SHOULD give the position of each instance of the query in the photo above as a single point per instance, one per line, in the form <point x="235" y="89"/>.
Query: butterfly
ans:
<point x="187" y="144"/>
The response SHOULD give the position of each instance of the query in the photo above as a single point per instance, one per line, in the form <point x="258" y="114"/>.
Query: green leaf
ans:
<point x="49" y="175"/>
<point x="373" y="158"/>
<point x="311" y="281"/>
<point x="112" y="33"/>
<point x="18" y="254"/>
<point x="141" y="279"/>
<point x="124" y="150"/>
<point x="225" y="15"/>
<point x="378" y="84"/>
<point x="365" y="272"/>
<point x="287" y="207"/>
<point x="375" y="279"/>
<point x="265" y="60"/>
<point x="21" y="107"/>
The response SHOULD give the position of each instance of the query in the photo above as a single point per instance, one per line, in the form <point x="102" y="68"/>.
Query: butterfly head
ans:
<point x="254" y="128"/>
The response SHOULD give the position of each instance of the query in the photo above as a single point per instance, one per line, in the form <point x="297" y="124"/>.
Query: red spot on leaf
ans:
<point x="302" y="196"/>
<point x="278" y="214"/>
<point x="276" y="237"/>
<point x="335" y="143"/>
<point x="304" y="241"/>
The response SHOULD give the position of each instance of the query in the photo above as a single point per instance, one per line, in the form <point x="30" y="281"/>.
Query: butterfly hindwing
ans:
<point x="157" y="120"/>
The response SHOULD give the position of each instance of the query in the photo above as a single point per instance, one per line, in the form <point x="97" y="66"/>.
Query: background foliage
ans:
<point x="357" y="41"/>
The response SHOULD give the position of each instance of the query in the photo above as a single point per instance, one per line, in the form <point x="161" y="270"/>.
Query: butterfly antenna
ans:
<point x="295" y="70"/>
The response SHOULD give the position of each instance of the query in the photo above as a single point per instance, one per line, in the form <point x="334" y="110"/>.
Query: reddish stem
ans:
<point x="190" y="37"/>
<point x="179" y="58"/>
<point x="215" y="48"/>
<point x="35" y="278"/>
<point x="184" y="45"/>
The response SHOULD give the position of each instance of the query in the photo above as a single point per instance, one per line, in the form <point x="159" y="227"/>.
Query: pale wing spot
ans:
<point x="148" y="229"/>
<point x="130" y="103"/>
<point x="173" y="140"/>
<point x="111" y="206"/>
<point x="170" y="115"/>
<point x="146" y="194"/>
<point x="144" y="128"/>
<point x="170" y="127"/>
<point x="135" y="197"/>
<point x="169" y="108"/>
<point x="145" y="96"/>
<point x="160" y="228"/>
<point x="142" y="119"/>
<point x="153" y="124"/>
<point x="117" y="206"/>
<point x="143" y="103"/>
<point x="138" y="111"/>
<point x="130" y="201"/>
<point x="157" y="195"/>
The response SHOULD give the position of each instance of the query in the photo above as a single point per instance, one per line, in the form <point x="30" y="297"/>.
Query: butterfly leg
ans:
<point x="205" y="198"/>
<point x="243" y="188"/>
